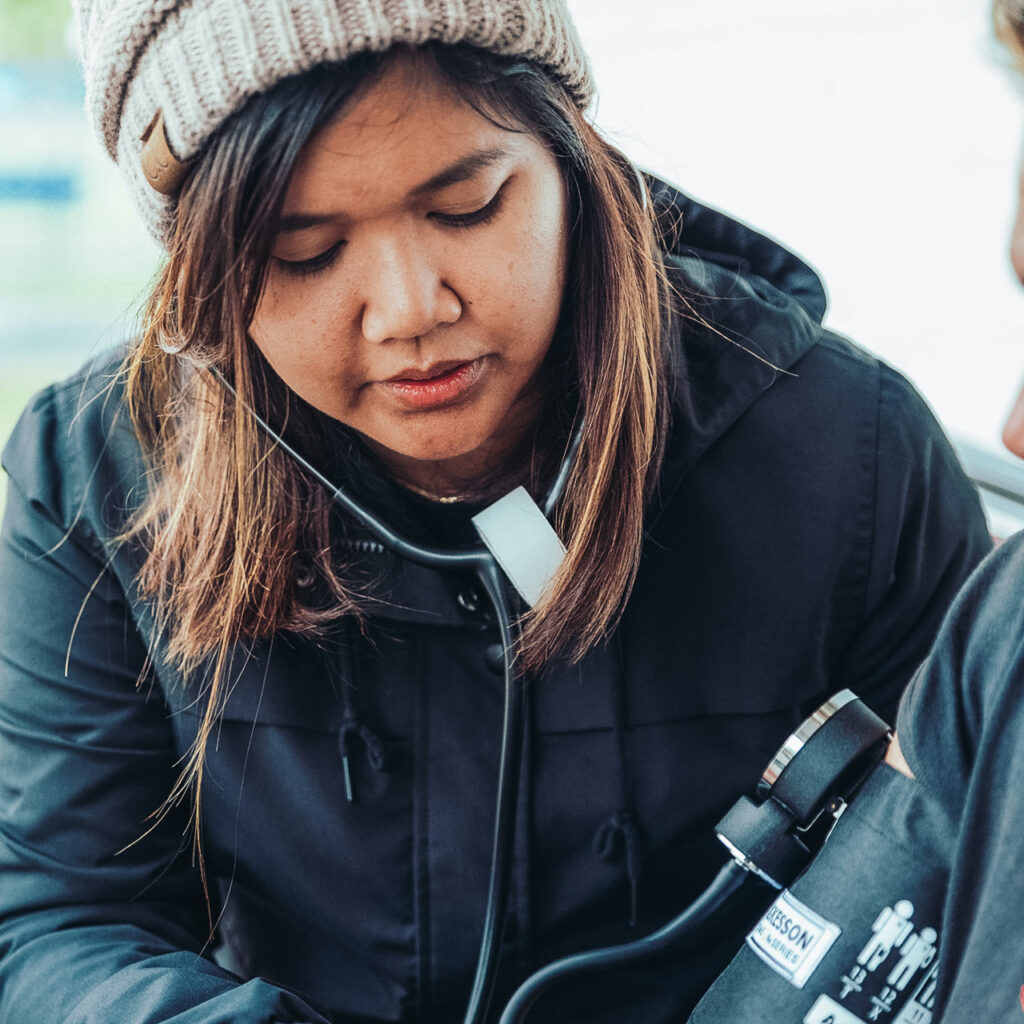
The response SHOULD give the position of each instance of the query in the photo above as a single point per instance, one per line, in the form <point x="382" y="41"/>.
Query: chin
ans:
<point x="419" y="449"/>
<point x="434" y="453"/>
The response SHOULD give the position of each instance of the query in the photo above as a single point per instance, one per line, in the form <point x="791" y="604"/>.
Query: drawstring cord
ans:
<point x="354" y="730"/>
<point x="524" y="844"/>
<point x="373" y="747"/>
<point x="620" y="834"/>
<point x="617" y="836"/>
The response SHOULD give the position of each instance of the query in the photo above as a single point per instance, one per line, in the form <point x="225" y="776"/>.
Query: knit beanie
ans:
<point x="162" y="75"/>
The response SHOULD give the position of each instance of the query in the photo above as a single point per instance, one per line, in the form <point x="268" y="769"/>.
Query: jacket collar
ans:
<point x="750" y="310"/>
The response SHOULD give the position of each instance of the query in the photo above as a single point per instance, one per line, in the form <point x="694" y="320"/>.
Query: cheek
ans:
<point x="270" y="325"/>
<point x="289" y="329"/>
<point x="529" y="282"/>
<point x="298" y="334"/>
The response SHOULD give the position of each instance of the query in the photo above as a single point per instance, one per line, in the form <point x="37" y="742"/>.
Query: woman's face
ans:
<point x="417" y="277"/>
<point x="1013" y="431"/>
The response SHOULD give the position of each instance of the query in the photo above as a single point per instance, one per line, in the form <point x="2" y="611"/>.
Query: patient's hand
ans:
<point x="895" y="759"/>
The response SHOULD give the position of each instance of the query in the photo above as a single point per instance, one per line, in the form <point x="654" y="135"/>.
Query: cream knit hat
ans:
<point x="168" y="72"/>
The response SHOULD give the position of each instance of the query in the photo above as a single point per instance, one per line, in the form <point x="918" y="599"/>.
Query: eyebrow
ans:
<point x="462" y="170"/>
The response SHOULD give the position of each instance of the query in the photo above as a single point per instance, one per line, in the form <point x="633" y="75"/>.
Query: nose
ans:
<point x="405" y="295"/>
<point x="1017" y="235"/>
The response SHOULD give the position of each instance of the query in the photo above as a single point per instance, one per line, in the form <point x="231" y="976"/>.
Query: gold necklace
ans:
<point x="442" y="499"/>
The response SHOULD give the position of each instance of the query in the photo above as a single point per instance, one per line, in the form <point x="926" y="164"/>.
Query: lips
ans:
<point x="434" y="387"/>
<point x="433" y="372"/>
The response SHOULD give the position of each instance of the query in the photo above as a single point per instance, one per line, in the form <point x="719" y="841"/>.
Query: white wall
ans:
<point x="878" y="138"/>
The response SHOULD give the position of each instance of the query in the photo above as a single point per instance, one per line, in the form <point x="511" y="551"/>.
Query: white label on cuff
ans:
<point x="792" y="939"/>
<point x="523" y="542"/>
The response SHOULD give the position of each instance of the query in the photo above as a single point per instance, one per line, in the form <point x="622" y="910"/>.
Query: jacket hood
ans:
<point x="748" y="310"/>
<point x="692" y="229"/>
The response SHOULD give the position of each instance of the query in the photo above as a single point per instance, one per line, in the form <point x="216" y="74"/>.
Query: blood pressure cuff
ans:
<point x="857" y="937"/>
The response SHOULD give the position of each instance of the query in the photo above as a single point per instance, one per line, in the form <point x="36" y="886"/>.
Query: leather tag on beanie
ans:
<point x="163" y="170"/>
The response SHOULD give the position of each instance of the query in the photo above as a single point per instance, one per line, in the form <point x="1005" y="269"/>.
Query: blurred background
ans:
<point x="878" y="138"/>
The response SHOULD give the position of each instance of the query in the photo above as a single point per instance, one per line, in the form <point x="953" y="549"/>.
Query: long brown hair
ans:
<point x="228" y="515"/>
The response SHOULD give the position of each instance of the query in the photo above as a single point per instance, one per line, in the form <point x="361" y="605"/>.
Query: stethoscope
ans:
<point x="483" y="563"/>
<point x="771" y="837"/>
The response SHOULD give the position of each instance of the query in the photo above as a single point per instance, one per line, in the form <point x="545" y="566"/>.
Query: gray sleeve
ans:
<point x="961" y="728"/>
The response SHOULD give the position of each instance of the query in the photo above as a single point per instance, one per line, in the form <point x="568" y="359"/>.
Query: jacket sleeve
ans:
<point x="926" y="533"/>
<point x="101" y="915"/>
<point x="961" y="727"/>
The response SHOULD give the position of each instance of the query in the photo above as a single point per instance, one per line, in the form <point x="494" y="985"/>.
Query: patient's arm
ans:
<point x="895" y="759"/>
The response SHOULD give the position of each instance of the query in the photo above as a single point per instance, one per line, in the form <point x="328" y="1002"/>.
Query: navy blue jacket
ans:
<point x="811" y="526"/>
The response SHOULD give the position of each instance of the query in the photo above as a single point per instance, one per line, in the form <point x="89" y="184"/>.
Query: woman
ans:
<point x="405" y="276"/>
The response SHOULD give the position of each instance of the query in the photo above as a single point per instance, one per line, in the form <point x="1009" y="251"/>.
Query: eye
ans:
<point x="303" y="268"/>
<point x="474" y="217"/>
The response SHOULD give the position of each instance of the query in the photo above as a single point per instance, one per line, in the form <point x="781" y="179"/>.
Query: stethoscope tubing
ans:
<point x="480" y="560"/>
<point x="728" y="880"/>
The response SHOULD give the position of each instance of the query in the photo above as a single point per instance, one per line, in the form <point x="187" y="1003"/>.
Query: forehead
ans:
<point x="395" y="134"/>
